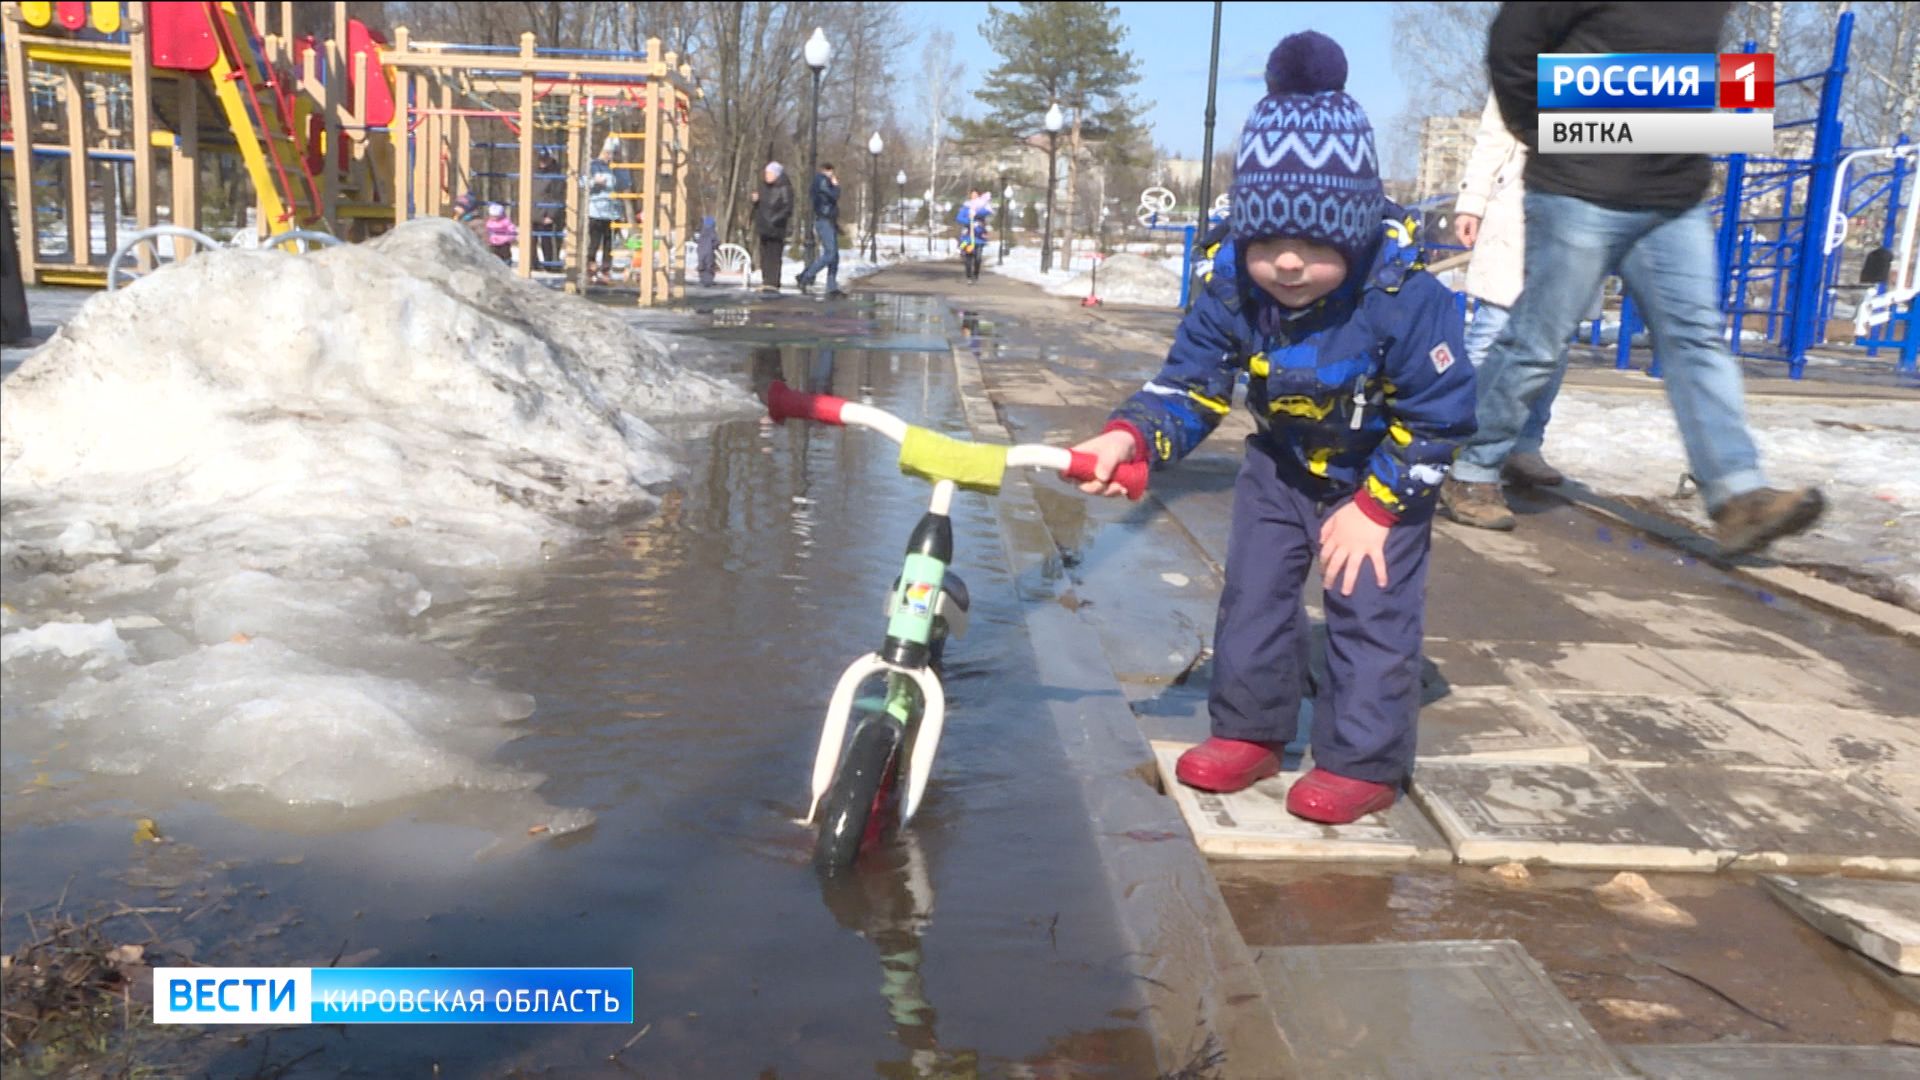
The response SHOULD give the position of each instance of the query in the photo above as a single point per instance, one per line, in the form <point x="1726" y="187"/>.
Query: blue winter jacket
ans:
<point x="1368" y="390"/>
<point x="826" y="199"/>
<point x="973" y="223"/>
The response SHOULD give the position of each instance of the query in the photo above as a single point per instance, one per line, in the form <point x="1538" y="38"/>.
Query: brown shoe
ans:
<point x="1747" y="523"/>
<point x="1482" y="506"/>
<point x="1531" y="470"/>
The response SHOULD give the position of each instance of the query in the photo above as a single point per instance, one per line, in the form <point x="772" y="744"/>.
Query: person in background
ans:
<point x="707" y="251"/>
<point x="551" y="211"/>
<point x="974" y="216"/>
<point x="772" y="217"/>
<point x="1490" y="219"/>
<point x="502" y="233"/>
<point x="468" y="211"/>
<point x="603" y="210"/>
<point x="826" y="227"/>
<point x="1643" y="213"/>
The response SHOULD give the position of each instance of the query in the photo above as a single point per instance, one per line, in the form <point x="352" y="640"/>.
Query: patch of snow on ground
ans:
<point x="1859" y="453"/>
<point x="1126" y="279"/>
<point x="233" y="489"/>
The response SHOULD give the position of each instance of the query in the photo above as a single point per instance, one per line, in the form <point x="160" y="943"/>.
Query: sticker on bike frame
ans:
<point x="912" y="618"/>
<point x="918" y="599"/>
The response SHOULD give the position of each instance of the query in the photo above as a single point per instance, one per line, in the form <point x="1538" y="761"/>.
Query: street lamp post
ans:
<point x="1054" y="122"/>
<point x="1206" y="154"/>
<point x="874" y="146"/>
<point x="1006" y="220"/>
<point x="818" y="52"/>
<point x="900" y="200"/>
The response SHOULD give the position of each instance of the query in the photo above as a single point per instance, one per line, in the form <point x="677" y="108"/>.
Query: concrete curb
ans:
<point x="1203" y="992"/>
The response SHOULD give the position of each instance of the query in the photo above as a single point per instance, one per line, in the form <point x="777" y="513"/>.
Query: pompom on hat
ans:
<point x="1306" y="167"/>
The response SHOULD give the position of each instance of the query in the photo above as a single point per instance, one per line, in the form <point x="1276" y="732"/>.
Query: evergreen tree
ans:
<point x="1070" y="53"/>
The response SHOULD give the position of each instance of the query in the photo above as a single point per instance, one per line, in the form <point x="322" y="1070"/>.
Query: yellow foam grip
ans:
<point x="978" y="466"/>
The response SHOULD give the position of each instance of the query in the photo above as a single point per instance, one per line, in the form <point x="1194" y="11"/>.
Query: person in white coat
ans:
<point x="1490" y="219"/>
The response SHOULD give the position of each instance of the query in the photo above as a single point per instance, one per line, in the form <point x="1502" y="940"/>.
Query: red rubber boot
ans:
<point x="1337" y="800"/>
<point x="1227" y="765"/>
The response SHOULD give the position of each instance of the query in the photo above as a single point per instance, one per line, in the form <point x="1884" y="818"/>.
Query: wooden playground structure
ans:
<point x="123" y="117"/>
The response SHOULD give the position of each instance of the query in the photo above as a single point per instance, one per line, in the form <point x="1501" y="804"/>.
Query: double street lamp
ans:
<point x="1054" y="122"/>
<point x="818" y="52"/>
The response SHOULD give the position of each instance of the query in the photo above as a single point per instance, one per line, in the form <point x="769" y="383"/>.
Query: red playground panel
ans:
<point x="181" y="36"/>
<point x="361" y="39"/>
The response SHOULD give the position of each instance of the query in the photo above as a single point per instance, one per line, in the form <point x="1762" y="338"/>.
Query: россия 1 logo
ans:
<point x="1655" y="103"/>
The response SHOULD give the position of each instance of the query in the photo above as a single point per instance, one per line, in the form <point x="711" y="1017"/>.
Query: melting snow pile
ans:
<point x="232" y="491"/>
<point x="1861" y="454"/>
<point x="1126" y="279"/>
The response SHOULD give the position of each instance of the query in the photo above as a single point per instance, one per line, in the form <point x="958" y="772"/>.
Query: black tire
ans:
<point x="856" y="788"/>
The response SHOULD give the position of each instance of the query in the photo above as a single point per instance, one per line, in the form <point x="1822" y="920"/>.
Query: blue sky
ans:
<point x="1171" y="40"/>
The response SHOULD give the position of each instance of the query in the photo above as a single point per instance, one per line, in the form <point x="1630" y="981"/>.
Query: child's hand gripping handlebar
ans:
<point x="937" y="457"/>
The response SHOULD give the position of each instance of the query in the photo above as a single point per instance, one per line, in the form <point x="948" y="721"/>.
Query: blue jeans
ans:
<point x="1666" y="258"/>
<point x="1487" y="323"/>
<point x="829" y="257"/>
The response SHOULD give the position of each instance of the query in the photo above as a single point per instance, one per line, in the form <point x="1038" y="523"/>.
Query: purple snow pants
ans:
<point x="1363" y="724"/>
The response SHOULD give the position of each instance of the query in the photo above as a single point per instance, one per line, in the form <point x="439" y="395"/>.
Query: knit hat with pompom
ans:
<point x="1306" y="167"/>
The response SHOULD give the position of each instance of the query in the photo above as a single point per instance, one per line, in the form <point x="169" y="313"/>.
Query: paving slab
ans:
<point x="1640" y="730"/>
<point x="1879" y="919"/>
<point x="1430" y="1009"/>
<point x="1789" y="820"/>
<point x="1591" y="816"/>
<point x="1590" y="667"/>
<point x="1254" y="824"/>
<point x="1898" y="785"/>
<point x="1842" y="738"/>
<point x="1771" y="1062"/>
<point x="1481" y="724"/>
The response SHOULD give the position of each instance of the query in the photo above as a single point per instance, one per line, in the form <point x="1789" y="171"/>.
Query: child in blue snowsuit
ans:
<point x="973" y="217"/>
<point x="1357" y="380"/>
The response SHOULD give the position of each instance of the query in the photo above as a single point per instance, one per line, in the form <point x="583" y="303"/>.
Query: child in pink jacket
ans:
<point x="502" y="234"/>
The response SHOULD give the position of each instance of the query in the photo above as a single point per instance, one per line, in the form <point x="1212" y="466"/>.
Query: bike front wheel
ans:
<point x="851" y="814"/>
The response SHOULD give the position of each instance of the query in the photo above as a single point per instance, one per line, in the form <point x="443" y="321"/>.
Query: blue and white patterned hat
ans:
<point x="1307" y="166"/>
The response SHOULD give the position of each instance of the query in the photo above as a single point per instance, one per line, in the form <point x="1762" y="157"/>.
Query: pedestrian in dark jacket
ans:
<point x="550" y="210"/>
<point x="826" y="227"/>
<point x="772" y="216"/>
<point x="15" y="324"/>
<point x="1643" y="213"/>
<point x="1357" y="380"/>
<point x="707" y="251"/>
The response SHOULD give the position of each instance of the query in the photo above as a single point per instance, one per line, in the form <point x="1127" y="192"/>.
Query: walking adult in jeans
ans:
<point x="1489" y="219"/>
<point x="826" y="227"/>
<point x="772" y="217"/>
<point x="1642" y="213"/>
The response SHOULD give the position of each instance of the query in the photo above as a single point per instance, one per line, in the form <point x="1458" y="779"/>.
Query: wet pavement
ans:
<point x="1048" y="914"/>
<point x="680" y="669"/>
<point x="1612" y="643"/>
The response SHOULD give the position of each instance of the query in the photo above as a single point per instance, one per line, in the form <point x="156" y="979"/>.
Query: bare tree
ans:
<point x="1443" y="47"/>
<point x="940" y="76"/>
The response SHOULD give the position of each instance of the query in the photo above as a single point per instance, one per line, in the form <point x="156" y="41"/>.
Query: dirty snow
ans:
<point x="233" y="490"/>
<point x="1126" y="279"/>
<point x="1860" y="453"/>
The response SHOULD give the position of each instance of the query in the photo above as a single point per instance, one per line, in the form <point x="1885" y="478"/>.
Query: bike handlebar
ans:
<point x="785" y="403"/>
